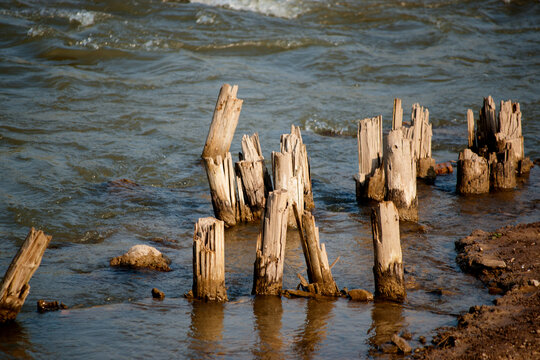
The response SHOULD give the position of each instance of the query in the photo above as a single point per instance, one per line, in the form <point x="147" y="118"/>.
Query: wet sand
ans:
<point x="507" y="261"/>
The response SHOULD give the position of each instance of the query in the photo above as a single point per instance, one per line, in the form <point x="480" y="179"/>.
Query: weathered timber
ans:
<point x="255" y="183"/>
<point x="370" y="180"/>
<point x="503" y="170"/>
<point x="318" y="268"/>
<point x="422" y="134"/>
<point x="222" y="181"/>
<point x="224" y="121"/>
<point x="400" y="168"/>
<point x="470" y="129"/>
<point x="294" y="144"/>
<point x="472" y="173"/>
<point x="509" y="136"/>
<point x="268" y="266"/>
<point x="209" y="260"/>
<point x="498" y="140"/>
<point x="397" y="115"/>
<point x="388" y="265"/>
<point x="15" y="288"/>
<point x="282" y="166"/>
<point x="487" y="126"/>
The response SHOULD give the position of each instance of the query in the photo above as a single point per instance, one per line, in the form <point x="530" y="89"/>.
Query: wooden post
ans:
<point x="209" y="260"/>
<point x="15" y="288"/>
<point x="294" y="144"/>
<point x="268" y="266"/>
<point x="388" y="267"/>
<point x="472" y="173"/>
<point x="470" y="129"/>
<point x="221" y="178"/>
<point x="282" y="166"/>
<point x="503" y="171"/>
<point x="422" y="134"/>
<point x="370" y="179"/>
<point x="487" y="126"/>
<point x="224" y="121"/>
<point x="318" y="268"/>
<point x="400" y="168"/>
<point x="397" y="116"/>
<point x="255" y="183"/>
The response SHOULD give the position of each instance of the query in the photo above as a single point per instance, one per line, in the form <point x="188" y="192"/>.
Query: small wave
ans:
<point x="328" y="128"/>
<point x="85" y="18"/>
<point x="288" y="9"/>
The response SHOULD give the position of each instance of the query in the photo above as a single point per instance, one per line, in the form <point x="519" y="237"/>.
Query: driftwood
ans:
<point x="268" y="266"/>
<point x="209" y="260"/>
<point x="318" y="269"/>
<point x="472" y="173"/>
<point x="370" y="180"/>
<point x="388" y="265"/>
<point x="400" y="168"/>
<point x="224" y="121"/>
<point x="15" y="288"/>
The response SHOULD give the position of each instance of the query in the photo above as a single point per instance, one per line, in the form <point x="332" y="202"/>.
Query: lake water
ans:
<point x="95" y="91"/>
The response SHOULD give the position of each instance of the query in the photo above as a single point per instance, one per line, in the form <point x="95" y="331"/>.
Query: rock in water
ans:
<point x="158" y="294"/>
<point x="44" y="306"/>
<point x="401" y="343"/>
<point x="360" y="295"/>
<point x="142" y="257"/>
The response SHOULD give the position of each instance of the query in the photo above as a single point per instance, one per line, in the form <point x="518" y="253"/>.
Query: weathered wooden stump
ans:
<point x="268" y="266"/>
<point x="209" y="260"/>
<point x="421" y="136"/>
<point x="282" y="166"/>
<point x="388" y="267"/>
<point x="370" y="180"/>
<point x="498" y="141"/>
<point x="397" y="115"/>
<point x="222" y="181"/>
<point x="293" y="143"/>
<point x="253" y="182"/>
<point x="318" y="269"/>
<point x="400" y="168"/>
<point x="472" y="173"/>
<point x="15" y="288"/>
<point x="224" y="121"/>
<point x="503" y="171"/>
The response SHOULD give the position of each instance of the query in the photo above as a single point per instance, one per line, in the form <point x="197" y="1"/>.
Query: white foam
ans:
<point x="280" y="8"/>
<point x="85" y="18"/>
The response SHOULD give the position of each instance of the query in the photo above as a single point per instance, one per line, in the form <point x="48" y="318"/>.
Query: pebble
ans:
<point x="401" y="343"/>
<point x="360" y="295"/>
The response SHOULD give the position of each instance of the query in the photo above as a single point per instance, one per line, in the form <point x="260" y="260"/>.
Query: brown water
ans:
<point x="97" y="91"/>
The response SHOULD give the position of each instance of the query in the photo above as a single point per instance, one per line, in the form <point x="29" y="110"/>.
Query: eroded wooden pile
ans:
<point x="495" y="149"/>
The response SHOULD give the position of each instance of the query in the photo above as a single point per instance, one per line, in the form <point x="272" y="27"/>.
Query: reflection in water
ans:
<point x="14" y="341"/>
<point x="318" y="313"/>
<point x="387" y="319"/>
<point x="268" y="312"/>
<point x="206" y="329"/>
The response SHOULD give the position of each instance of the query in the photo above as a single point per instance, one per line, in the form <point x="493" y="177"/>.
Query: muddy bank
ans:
<point x="508" y="262"/>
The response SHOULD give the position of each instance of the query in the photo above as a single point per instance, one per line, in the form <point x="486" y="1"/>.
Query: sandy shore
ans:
<point x="508" y="262"/>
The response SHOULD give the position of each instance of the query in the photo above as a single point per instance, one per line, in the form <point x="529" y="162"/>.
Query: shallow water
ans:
<point x="97" y="91"/>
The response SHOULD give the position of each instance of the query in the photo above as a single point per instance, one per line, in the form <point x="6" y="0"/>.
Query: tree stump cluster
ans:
<point x="391" y="174"/>
<point x="495" y="156"/>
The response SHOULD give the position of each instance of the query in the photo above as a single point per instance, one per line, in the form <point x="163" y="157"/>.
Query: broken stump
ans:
<point x="15" y="288"/>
